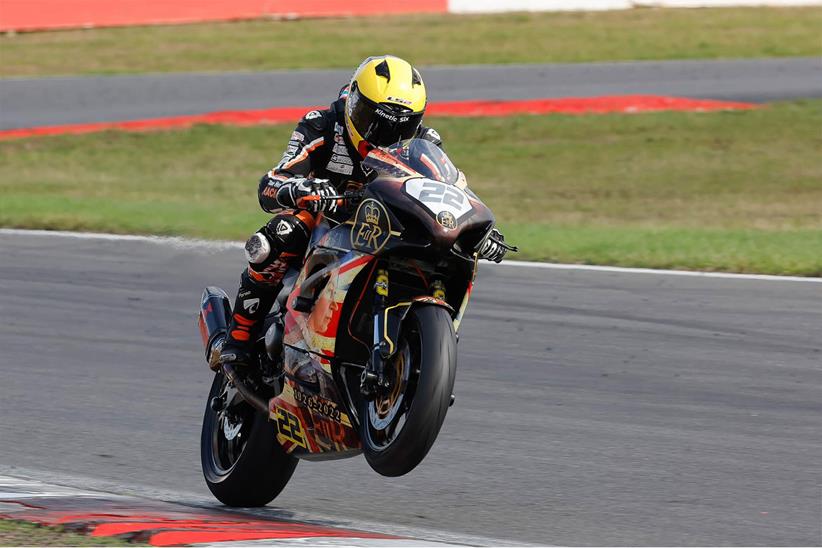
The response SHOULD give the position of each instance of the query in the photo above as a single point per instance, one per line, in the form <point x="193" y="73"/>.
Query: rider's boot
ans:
<point x="253" y="302"/>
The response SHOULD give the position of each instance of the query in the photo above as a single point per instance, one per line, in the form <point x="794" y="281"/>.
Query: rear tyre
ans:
<point x="400" y="426"/>
<point x="242" y="462"/>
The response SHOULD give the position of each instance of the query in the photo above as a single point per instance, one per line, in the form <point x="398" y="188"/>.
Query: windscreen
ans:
<point x="411" y="157"/>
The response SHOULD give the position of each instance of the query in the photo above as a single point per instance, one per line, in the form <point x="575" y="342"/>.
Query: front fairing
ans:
<point x="429" y="226"/>
<point x="426" y="198"/>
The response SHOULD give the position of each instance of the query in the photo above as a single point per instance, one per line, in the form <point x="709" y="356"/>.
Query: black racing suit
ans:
<point x="319" y="148"/>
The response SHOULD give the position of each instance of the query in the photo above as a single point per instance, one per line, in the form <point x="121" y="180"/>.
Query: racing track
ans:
<point x="31" y="102"/>
<point x="592" y="407"/>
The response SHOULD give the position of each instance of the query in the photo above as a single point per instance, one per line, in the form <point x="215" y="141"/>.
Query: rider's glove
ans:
<point x="309" y="194"/>
<point x="492" y="248"/>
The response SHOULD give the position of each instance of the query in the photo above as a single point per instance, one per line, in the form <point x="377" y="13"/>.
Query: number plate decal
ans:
<point x="439" y="198"/>
<point x="289" y="427"/>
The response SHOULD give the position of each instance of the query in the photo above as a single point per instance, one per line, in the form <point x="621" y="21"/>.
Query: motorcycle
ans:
<point x="359" y="352"/>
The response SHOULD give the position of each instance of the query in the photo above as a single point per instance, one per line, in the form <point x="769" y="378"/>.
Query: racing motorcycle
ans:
<point x="359" y="352"/>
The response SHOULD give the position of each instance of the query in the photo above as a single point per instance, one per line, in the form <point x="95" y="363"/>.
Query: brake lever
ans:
<point x="513" y="248"/>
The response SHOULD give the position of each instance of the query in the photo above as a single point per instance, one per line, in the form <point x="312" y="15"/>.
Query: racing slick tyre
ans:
<point x="242" y="462"/>
<point x="400" y="425"/>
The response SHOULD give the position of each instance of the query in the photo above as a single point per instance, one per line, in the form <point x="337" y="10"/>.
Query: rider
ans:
<point x="383" y="104"/>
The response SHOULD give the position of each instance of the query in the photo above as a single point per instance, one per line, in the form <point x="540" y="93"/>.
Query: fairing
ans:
<point x="311" y="415"/>
<point x="395" y="228"/>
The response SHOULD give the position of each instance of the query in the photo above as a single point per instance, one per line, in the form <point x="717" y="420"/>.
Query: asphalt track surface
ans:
<point x="36" y="102"/>
<point x="592" y="407"/>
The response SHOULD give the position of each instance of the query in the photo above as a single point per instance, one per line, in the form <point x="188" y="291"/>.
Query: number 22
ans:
<point x="439" y="193"/>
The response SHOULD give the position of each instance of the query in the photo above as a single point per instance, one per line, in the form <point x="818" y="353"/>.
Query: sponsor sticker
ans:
<point x="343" y="169"/>
<point x="391" y="117"/>
<point x="399" y="100"/>
<point x="340" y="158"/>
<point x="340" y="150"/>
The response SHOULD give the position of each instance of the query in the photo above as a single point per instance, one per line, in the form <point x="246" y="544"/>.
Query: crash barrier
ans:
<point x="27" y="15"/>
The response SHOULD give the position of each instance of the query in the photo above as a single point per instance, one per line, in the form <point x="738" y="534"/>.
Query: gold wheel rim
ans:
<point x="384" y="404"/>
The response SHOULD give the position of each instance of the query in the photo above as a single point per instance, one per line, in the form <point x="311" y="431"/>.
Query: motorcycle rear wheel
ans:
<point x="242" y="462"/>
<point x="398" y="433"/>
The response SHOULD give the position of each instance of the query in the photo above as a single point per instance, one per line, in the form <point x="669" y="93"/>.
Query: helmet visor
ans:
<point x="378" y="124"/>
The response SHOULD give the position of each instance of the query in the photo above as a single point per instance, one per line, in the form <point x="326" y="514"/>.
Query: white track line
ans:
<point x="695" y="273"/>
<point x="60" y="483"/>
<point x="188" y="243"/>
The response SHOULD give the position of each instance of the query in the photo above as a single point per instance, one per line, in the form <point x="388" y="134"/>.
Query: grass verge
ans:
<point x="734" y="191"/>
<point x="644" y="33"/>
<point x="21" y="533"/>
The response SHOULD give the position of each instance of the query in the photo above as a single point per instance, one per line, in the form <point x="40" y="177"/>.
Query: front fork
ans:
<point x="373" y="376"/>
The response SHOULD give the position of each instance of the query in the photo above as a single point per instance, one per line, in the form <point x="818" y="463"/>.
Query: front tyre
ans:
<point x="242" y="462"/>
<point x="400" y="425"/>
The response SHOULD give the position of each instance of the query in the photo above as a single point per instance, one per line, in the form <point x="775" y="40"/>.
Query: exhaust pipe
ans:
<point x="215" y="315"/>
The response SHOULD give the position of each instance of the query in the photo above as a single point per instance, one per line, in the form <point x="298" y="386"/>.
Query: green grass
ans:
<point x="734" y="191"/>
<point x="643" y="33"/>
<point x="21" y="533"/>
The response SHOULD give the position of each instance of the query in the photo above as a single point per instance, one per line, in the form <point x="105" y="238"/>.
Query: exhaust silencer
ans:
<point x="215" y="315"/>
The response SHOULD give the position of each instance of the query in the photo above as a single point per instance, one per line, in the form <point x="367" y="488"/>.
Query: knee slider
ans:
<point x="257" y="248"/>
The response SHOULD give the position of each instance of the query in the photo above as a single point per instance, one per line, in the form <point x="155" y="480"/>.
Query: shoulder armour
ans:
<point x="319" y="120"/>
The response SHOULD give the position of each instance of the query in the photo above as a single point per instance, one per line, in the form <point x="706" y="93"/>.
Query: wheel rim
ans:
<point x="387" y="412"/>
<point x="230" y="432"/>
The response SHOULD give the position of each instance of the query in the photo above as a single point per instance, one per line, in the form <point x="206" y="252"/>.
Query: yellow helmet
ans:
<point x="385" y="103"/>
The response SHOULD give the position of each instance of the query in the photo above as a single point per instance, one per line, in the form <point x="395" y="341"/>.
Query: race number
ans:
<point x="289" y="428"/>
<point x="438" y="197"/>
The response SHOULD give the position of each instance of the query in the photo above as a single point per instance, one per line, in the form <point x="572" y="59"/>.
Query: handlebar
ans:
<point x="348" y="196"/>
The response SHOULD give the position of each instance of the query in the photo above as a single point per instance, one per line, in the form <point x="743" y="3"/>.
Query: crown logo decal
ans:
<point x="372" y="214"/>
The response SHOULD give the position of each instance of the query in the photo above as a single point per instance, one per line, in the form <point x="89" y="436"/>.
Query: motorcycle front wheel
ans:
<point x="242" y="462"/>
<point x="400" y="425"/>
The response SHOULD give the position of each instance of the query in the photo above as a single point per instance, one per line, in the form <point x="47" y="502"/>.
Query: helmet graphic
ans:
<point x="385" y="103"/>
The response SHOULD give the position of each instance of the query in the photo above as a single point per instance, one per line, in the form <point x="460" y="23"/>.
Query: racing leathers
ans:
<point x="318" y="161"/>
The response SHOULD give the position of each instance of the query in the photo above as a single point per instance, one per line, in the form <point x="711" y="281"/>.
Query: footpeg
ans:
<point x="453" y="398"/>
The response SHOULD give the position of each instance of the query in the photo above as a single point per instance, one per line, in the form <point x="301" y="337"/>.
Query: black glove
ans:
<point x="309" y="194"/>
<point x="493" y="248"/>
